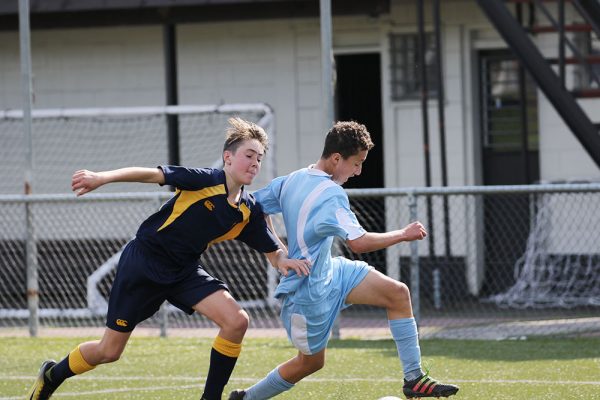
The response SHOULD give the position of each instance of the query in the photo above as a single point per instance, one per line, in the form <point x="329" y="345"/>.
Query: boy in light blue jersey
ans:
<point x="315" y="209"/>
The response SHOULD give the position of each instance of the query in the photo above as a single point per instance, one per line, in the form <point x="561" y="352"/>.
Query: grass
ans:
<point x="154" y="368"/>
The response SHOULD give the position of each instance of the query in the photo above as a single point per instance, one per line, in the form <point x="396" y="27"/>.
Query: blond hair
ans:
<point x="241" y="130"/>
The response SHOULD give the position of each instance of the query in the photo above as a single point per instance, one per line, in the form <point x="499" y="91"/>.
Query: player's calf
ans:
<point x="43" y="388"/>
<point x="426" y="386"/>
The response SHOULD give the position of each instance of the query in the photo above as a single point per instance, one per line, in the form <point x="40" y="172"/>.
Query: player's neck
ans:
<point x="234" y="189"/>
<point x="324" y="165"/>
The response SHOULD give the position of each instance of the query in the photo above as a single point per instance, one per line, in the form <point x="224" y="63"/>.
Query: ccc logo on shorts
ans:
<point x="208" y="204"/>
<point x="121" y="322"/>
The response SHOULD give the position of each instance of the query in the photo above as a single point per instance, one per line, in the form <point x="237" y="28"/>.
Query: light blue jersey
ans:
<point x="315" y="209"/>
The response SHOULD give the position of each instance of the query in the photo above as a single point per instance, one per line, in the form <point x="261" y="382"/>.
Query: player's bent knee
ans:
<point x="312" y="364"/>
<point x="111" y="355"/>
<point x="316" y="365"/>
<point x="239" y="322"/>
<point x="319" y="364"/>
<point x="399" y="294"/>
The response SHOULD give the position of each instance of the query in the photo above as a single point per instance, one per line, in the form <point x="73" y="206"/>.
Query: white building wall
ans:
<point x="86" y="68"/>
<point x="245" y="62"/>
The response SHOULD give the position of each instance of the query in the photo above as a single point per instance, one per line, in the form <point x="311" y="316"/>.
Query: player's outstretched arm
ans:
<point x="84" y="181"/>
<point x="279" y="260"/>
<point x="372" y="241"/>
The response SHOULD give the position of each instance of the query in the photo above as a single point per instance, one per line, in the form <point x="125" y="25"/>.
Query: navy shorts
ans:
<point x="142" y="284"/>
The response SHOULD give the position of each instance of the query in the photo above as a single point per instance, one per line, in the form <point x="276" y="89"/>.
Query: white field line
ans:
<point x="200" y="379"/>
<point x="241" y="379"/>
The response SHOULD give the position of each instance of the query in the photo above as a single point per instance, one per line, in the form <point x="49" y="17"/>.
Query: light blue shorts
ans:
<point x="309" y="326"/>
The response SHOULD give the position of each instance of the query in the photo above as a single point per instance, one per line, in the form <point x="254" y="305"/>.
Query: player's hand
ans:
<point x="414" y="231"/>
<point x="301" y="267"/>
<point x="84" y="181"/>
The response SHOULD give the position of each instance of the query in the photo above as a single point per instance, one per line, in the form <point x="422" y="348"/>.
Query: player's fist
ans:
<point x="84" y="181"/>
<point x="414" y="231"/>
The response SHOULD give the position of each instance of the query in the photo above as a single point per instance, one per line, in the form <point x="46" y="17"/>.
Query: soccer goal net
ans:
<point x="107" y="138"/>
<point x="546" y="278"/>
<point x="77" y="242"/>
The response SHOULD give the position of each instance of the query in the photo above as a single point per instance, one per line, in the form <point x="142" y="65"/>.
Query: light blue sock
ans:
<point x="404" y="332"/>
<point x="272" y="385"/>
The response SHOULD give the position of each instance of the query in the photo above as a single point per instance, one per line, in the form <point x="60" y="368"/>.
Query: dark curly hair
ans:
<point x="347" y="138"/>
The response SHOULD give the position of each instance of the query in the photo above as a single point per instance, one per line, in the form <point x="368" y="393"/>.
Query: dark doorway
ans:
<point x="358" y="98"/>
<point x="509" y="137"/>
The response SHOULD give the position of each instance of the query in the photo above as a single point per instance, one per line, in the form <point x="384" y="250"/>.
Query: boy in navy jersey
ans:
<point x="161" y="262"/>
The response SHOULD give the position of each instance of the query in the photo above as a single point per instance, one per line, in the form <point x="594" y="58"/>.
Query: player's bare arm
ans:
<point x="84" y="181"/>
<point x="272" y="228"/>
<point x="372" y="241"/>
<point x="279" y="260"/>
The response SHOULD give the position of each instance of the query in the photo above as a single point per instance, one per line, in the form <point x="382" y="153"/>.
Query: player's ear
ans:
<point x="227" y="154"/>
<point x="336" y="158"/>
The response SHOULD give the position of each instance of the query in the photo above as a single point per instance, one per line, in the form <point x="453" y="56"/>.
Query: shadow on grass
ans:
<point x="506" y="350"/>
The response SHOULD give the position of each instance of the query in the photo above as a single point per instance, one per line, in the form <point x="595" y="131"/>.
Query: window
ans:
<point x="587" y="76"/>
<point x="406" y="73"/>
<point x="502" y="106"/>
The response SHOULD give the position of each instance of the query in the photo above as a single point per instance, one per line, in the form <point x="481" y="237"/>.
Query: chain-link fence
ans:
<point x="499" y="262"/>
<point x="64" y="140"/>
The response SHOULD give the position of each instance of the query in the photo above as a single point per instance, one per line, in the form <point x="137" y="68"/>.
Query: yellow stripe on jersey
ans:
<point x="187" y="198"/>
<point x="226" y="347"/>
<point x="77" y="363"/>
<point x="237" y="228"/>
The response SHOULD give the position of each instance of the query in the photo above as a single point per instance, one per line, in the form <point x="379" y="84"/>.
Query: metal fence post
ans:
<point x="163" y="313"/>
<point x="32" y="271"/>
<point x="164" y="319"/>
<point x="414" y="261"/>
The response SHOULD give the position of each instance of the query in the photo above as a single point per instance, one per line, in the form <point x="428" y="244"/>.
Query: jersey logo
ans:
<point x="208" y="204"/>
<point x="121" y="322"/>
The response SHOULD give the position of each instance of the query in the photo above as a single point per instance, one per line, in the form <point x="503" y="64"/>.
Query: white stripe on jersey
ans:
<point x="305" y="210"/>
<point x="354" y="230"/>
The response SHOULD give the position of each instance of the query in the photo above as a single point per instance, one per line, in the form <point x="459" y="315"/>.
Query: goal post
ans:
<point x="78" y="240"/>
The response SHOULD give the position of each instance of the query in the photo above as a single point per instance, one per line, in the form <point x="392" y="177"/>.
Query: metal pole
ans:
<point x="414" y="263"/>
<point x="30" y="246"/>
<point x="326" y="64"/>
<point x="425" y="116"/>
<point x="163" y="312"/>
<point x="561" y="43"/>
<point x="440" y="91"/>
<point x="327" y="87"/>
<point x="170" y="53"/>
<point x="442" y="130"/>
<point x="164" y="319"/>
<point x="524" y="106"/>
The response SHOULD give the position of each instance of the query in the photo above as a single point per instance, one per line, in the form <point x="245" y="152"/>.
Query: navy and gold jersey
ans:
<point x="199" y="215"/>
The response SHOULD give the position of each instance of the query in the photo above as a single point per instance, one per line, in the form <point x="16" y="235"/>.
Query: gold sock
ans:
<point x="77" y="363"/>
<point x="226" y="347"/>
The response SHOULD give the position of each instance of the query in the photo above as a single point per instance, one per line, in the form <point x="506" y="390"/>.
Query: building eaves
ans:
<point x="65" y="14"/>
<point x="49" y="6"/>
